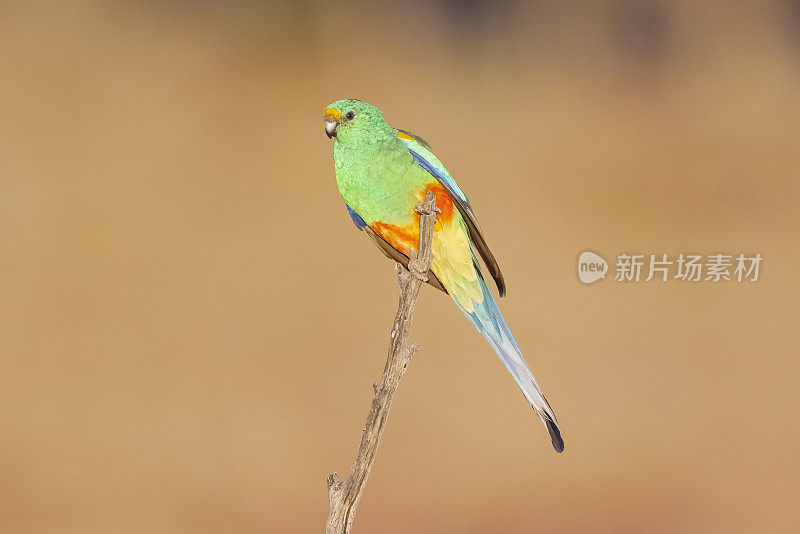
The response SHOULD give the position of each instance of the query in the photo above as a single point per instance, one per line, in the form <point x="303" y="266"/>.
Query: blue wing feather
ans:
<point x="357" y="220"/>
<point x="443" y="177"/>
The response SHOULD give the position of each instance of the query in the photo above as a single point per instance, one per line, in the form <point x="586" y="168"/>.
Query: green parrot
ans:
<point x="382" y="173"/>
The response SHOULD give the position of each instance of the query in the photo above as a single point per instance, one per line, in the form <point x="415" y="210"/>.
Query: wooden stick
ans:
<point x="345" y="494"/>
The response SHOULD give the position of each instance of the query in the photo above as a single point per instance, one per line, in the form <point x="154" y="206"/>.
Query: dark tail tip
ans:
<point x="555" y="434"/>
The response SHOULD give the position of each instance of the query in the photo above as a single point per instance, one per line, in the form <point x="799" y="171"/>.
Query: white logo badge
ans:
<point x="591" y="267"/>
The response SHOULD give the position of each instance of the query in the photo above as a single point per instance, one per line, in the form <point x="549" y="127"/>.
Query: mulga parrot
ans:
<point x="382" y="173"/>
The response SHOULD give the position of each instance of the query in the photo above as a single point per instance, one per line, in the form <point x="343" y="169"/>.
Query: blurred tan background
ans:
<point x="190" y="323"/>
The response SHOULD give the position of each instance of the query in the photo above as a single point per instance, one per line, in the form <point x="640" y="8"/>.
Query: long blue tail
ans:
<point x="489" y="321"/>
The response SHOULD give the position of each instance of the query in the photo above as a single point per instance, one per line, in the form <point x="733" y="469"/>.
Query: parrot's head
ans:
<point x="351" y="119"/>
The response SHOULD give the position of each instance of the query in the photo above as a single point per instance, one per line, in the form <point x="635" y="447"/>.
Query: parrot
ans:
<point x="382" y="173"/>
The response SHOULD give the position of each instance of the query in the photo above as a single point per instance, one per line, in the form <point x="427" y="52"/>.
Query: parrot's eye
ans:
<point x="350" y="115"/>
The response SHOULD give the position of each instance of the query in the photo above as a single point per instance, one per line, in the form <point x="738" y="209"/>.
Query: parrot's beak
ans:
<point x="330" y="127"/>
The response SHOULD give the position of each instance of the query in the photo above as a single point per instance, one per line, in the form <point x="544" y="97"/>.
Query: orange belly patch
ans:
<point x="406" y="238"/>
<point x="402" y="238"/>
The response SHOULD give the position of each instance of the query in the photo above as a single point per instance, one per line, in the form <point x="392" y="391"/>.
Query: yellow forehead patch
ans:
<point x="333" y="112"/>
<point x="402" y="135"/>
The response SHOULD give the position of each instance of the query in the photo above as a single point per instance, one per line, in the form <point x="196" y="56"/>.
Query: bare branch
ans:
<point x="345" y="494"/>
